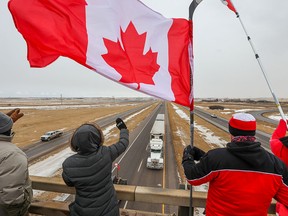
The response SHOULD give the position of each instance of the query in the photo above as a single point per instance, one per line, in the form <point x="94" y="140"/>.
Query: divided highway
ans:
<point x="40" y="148"/>
<point x="133" y="164"/>
<point x="133" y="161"/>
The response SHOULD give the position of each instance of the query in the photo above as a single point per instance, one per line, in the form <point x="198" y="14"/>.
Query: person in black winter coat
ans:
<point x="90" y="170"/>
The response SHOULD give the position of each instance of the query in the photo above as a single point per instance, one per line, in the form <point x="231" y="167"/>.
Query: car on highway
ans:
<point x="51" y="135"/>
<point x="213" y="116"/>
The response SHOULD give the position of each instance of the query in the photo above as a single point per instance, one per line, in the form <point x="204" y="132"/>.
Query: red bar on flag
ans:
<point x="229" y="4"/>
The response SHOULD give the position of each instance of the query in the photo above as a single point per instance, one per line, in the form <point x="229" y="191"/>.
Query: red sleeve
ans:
<point x="282" y="195"/>
<point x="280" y="131"/>
<point x="276" y="145"/>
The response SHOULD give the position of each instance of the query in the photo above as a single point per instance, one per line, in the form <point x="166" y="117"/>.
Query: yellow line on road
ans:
<point x="164" y="165"/>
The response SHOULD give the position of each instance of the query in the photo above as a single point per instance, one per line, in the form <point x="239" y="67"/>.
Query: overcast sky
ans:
<point x="224" y="63"/>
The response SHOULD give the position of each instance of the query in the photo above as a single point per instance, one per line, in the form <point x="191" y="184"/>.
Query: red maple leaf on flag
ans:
<point x="128" y="59"/>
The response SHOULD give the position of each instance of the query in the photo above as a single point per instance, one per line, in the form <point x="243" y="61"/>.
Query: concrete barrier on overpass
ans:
<point x="174" y="197"/>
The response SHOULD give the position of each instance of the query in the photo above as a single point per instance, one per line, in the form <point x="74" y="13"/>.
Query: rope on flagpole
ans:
<point x="262" y="68"/>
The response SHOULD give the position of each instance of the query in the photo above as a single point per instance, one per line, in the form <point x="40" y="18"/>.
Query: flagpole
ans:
<point x="191" y="209"/>
<point x="192" y="8"/>
<point x="262" y="68"/>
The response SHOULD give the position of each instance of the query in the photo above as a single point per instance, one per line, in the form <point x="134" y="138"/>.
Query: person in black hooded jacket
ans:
<point x="243" y="177"/>
<point x="90" y="170"/>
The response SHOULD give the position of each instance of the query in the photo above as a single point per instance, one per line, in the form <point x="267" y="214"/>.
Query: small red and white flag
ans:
<point x="123" y="40"/>
<point x="230" y="5"/>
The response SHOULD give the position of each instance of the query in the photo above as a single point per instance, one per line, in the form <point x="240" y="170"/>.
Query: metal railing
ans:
<point x="174" y="197"/>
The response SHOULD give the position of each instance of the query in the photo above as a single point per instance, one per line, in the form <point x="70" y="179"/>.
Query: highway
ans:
<point x="259" y="116"/>
<point x="133" y="164"/>
<point x="223" y="124"/>
<point x="133" y="161"/>
<point x="41" y="148"/>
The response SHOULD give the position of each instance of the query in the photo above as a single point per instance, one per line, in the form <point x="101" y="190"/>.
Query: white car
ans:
<point x="51" y="135"/>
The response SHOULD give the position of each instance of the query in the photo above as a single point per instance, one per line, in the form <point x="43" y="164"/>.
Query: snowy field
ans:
<point x="62" y="107"/>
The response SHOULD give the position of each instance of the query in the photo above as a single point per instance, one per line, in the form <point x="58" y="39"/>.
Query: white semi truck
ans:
<point x="155" y="159"/>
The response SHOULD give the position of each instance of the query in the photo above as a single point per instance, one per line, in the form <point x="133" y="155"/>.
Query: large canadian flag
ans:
<point x="123" y="40"/>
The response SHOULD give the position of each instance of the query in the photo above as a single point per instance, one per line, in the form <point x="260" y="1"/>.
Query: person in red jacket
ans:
<point x="279" y="146"/>
<point x="243" y="177"/>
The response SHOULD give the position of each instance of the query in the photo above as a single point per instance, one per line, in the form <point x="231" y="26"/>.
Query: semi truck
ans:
<point x="155" y="159"/>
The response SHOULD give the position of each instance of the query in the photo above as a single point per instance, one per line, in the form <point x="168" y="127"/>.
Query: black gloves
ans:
<point x="192" y="153"/>
<point x="197" y="153"/>
<point x="120" y="124"/>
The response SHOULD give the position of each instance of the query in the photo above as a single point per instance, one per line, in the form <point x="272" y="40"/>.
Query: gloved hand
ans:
<point x="192" y="153"/>
<point x="198" y="153"/>
<point x="120" y="124"/>
<point x="186" y="154"/>
<point x="15" y="114"/>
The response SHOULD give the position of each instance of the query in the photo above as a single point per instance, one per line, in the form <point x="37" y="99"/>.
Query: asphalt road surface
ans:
<point x="223" y="124"/>
<point x="133" y="164"/>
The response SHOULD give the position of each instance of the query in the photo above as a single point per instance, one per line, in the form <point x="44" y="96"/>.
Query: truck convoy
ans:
<point x="155" y="159"/>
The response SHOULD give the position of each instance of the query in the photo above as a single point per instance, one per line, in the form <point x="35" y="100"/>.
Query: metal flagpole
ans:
<point x="192" y="8"/>
<point x="191" y="209"/>
<point x="262" y="68"/>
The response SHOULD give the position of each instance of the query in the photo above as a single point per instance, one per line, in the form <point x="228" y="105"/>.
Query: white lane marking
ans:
<point x="125" y="205"/>
<point x="147" y="147"/>
<point x="139" y="166"/>
<point x="132" y="143"/>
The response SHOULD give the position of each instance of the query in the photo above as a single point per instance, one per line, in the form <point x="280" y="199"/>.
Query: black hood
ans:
<point x="86" y="139"/>
<point x="250" y="152"/>
<point x="284" y="140"/>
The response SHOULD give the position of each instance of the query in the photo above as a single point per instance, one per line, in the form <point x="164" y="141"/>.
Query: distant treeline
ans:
<point x="216" y="107"/>
<point x="239" y="100"/>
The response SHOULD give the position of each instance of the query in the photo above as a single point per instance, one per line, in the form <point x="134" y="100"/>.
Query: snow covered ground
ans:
<point x="277" y="117"/>
<point x="61" y="107"/>
<point x="228" y="111"/>
<point x="206" y="133"/>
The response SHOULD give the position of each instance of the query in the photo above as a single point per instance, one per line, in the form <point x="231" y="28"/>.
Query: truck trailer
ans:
<point x="155" y="159"/>
<point x="158" y="128"/>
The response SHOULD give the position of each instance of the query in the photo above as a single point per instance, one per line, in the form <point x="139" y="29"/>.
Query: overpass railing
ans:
<point x="174" y="197"/>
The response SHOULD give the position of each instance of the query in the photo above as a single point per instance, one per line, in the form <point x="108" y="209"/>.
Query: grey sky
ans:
<point x="224" y="64"/>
